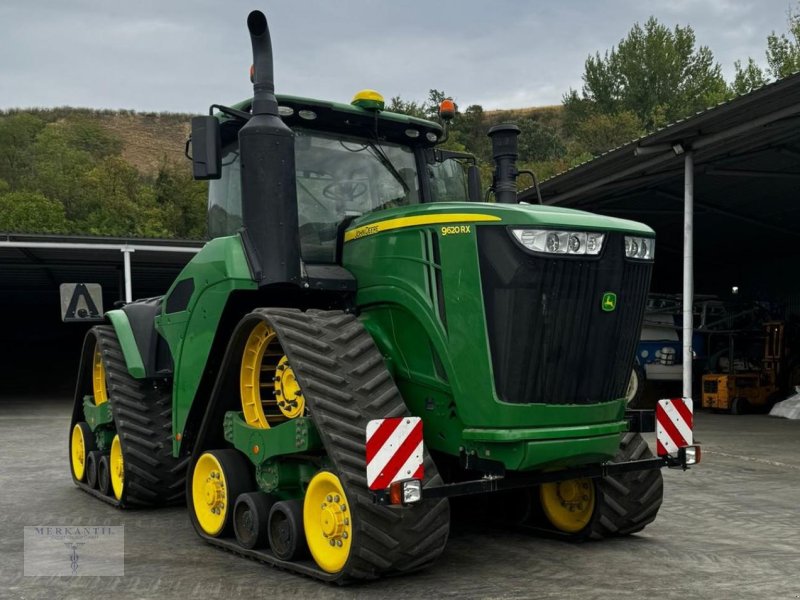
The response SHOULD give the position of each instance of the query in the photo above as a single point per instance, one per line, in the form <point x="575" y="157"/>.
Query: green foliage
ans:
<point x="783" y="51"/>
<point x="31" y="212"/>
<point x="599" y="133"/>
<point x="656" y="73"/>
<point x="183" y="202"/>
<point x="747" y="78"/>
<point x="17" y="135"/>
<point x="90" y="137"/>
<point x="410" y="107"/>
<point x="62" y="172"/>
<point x="538" y="142"/>
<point x="59" y="169"/>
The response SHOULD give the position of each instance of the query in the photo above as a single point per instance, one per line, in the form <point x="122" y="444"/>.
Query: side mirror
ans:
<point x="206" y="148"/>
<point x="474" y="184"/>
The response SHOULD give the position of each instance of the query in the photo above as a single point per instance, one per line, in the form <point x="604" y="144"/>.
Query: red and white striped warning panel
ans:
<point x="673" y="425"/>
<point x="394" y="451"/>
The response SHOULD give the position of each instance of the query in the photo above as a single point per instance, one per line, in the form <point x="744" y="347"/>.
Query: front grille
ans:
<point x="550" y="340"/>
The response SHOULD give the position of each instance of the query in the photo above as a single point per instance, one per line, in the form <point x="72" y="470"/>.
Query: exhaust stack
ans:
<point x="504" y="153"/>
<point x="264" y="101"/>
<point x="269" y="190"/>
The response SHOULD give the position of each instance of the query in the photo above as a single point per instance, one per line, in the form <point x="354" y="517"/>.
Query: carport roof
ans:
<point x="764" y="120"/>
<point x="31" y="264"/>
<point x="747" y="168"/>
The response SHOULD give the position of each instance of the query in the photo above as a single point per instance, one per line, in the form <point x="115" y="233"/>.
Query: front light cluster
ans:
<point x="560" y="242"/>
<point x="640" y="247"/>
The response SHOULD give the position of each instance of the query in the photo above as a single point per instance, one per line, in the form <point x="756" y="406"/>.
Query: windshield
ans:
<point x="337" y="177"/>
<point x="340" y="176"/>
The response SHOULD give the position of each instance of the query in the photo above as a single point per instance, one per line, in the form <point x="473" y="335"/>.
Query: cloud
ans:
<point x="183" y="55"/>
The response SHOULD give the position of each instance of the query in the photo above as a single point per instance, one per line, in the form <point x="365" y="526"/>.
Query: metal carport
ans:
<point x="39" y="352"/>
<point x="720" y="189"/>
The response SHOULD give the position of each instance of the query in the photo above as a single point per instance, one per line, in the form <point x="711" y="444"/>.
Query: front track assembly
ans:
<point x="345" y="384"/>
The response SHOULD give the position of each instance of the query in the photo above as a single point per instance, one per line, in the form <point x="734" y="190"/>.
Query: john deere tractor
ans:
<point x="356" y="285"/>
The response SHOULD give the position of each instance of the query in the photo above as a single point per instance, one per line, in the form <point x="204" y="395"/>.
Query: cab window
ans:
<point x="337" y="176"/>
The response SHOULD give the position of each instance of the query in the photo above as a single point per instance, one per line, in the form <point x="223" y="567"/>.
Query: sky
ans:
<point x="183" y="55"/>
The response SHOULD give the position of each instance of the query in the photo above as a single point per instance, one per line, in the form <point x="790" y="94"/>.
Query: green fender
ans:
<point x="122" y="327"/>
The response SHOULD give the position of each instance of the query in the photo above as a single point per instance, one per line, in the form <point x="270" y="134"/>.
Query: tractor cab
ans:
<point x="350" y="160"/>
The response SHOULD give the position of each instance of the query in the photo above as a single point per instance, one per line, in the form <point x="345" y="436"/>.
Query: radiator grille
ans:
<point x="550" y="340"/>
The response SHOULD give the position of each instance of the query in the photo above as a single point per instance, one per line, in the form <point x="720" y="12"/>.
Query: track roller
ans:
<point x="250" y="519"/>
<point x="92" y="463"/>
<point x="104" y="476"/>
<point x="286" y="536"/>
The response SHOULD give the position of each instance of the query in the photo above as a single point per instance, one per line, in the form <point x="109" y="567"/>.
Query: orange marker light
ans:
<point x="252" y="73"/>
<point x="396" y="493"/>
<point x="447" y="109"/>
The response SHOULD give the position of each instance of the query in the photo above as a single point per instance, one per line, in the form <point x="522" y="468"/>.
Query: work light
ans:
<point x="641" y="248"/>
<point x="549" y="241"/>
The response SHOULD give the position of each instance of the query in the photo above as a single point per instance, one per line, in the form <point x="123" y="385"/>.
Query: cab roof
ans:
<point x="351" y="120"/>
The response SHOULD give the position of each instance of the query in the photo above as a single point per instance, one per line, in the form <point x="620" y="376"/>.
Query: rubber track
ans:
<point x="627" y="502"/>
<point x="345" y="384"/>
<point x="143" y="419"/>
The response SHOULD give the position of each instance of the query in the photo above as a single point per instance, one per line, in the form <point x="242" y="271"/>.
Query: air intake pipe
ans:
<point x="269" y="189"/>
<point x="505" y="154"/>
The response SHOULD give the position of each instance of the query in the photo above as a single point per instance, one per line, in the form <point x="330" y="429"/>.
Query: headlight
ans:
<point x="560" y="242"/>
<point x="640" y="247"/>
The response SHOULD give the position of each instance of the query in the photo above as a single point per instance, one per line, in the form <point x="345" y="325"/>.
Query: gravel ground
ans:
<point x="729" y="528"/>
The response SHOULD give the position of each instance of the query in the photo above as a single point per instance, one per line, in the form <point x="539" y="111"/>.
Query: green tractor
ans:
<point x="356" y="296"/>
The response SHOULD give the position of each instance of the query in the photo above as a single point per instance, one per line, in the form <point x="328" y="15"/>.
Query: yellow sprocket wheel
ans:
<point x="327" y="522"/>
<point x="269" y="390"/>
<point x="99" y="388"/>
<point x="568" y="505"/>
<point x="117" y="468"/>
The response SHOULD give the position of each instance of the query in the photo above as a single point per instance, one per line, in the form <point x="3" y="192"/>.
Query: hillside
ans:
<point x="150" y="139"/>
<point x="98" y="172"/>
<point x="123" y="173"/>
<point x="147" y="138"/>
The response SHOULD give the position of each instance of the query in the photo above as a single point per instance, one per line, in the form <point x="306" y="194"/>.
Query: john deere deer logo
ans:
<point x="609" y="302"/>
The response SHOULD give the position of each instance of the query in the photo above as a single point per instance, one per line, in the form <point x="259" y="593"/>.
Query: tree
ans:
<point x="407" y="107"/>
<point x="599" y="133"/>
<point x="17" y="134"/>
<point x="783" y="51"/>
<point x="538" y="142"/>
<point x="29" y="212"/>
<point x="656" y="73"/>
<point x="59" y="170"/>
<point x="119" y="202"/>
<point x="182" y="201"/>
<point x="471" y="128"/>
<point x="747" y="78"/>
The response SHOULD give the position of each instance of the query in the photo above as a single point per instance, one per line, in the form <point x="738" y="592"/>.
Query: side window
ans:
<point x="448" y="181"/>
<point x="225" y="196"/>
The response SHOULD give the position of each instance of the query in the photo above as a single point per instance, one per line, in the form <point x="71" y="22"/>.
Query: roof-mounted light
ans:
<point x="369" y="100"/>
<point x="447" y="109"/>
